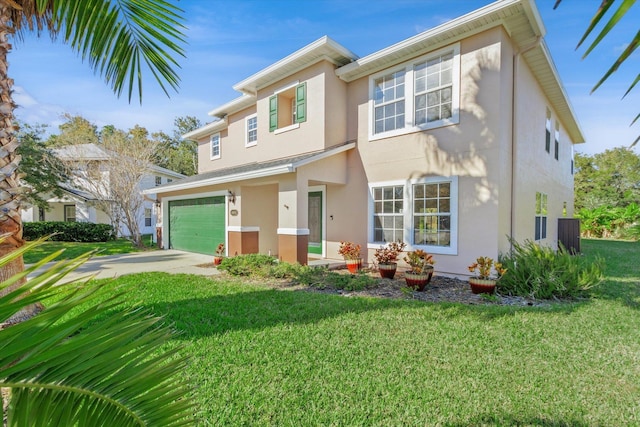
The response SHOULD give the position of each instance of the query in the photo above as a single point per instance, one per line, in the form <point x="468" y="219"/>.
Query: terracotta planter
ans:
<point x="353" y="265"/>
<point x="482" y="286"/>
<point x="387" y="271"/>
<point x="217" y="260"/>
<point x="418" y="281"/>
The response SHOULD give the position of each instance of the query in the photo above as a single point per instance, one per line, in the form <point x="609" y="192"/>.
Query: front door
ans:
<point x="315" y="222"/>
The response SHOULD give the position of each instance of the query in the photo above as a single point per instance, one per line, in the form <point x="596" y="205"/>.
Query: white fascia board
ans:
<point x="276" y="170"/>
<point x="462" y="21"/>
<point x="207" y="129"/>
<point x="576" y="133"/>
<point x="233" y="106"/>
<point x="330" y="46"/>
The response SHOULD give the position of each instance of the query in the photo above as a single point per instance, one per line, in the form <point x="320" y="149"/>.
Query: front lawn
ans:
<point x="262" y="356"/>
<point x="74" y="249"/>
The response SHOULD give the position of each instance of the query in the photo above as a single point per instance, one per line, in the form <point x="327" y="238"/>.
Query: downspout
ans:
<point x="514" y="105"/>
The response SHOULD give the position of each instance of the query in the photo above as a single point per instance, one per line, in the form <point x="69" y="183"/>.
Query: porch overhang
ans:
<point x="250" y="171"/>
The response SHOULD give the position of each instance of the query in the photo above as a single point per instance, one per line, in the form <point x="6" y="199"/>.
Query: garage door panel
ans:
<point x="197" y="225"/>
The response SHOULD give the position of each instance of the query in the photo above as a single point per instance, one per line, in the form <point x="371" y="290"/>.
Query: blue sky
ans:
<point x="231" y="40"/>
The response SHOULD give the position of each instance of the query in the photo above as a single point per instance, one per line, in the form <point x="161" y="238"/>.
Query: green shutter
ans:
<point x="301" y="103"/>
<point x="273" y="113"/>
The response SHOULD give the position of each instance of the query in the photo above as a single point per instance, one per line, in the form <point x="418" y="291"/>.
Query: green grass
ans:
<point x="73" y="249"/>
<point x="260" y="356"/>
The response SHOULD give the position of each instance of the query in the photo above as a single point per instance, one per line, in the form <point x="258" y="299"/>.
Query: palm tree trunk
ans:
<point x="10" y="220"/>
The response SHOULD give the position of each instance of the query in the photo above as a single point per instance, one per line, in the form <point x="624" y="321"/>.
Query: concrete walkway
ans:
<point x="169" y="261"/>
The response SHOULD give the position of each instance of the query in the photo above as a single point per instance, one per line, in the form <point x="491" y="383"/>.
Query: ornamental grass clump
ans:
<point x="541" y="272"/>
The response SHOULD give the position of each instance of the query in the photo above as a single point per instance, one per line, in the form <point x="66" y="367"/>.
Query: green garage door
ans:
<point x="196" y="225"/>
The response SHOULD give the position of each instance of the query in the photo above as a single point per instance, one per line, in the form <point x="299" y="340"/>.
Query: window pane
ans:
<point x="418" y="191"/>
<point x="387" y="222"/>
<point x="446" y="94"/>
<point x="445" y="189"/>
<point x="433" y="114"/>
<point x="377" y="194"/>
<point x="378" y="235"/>
<point x="433" y="98"/>
<point x="377" y="207"/>
<point x="433" y="81"/>
<point x="387" y="207"/>
<point x="418" y="206"/>
<point x="446" y="111"/>
<point x="446" y="77"/>
<point x="431" y="190"/>
<point x="421" y="102"/>
<point x="431" y="205"/>
<point x="388" y="193"/>
<point x="399" y="223"/>
<point x="379" y="113"/>
<point x="398" y="192"/>
<point x="397" y="206"/>
<point x="445" y="205"/>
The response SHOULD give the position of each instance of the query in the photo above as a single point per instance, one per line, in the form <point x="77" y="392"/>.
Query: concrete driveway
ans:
<point x="168" y="261"/>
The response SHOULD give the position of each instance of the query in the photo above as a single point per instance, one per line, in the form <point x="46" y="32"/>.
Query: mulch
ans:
<point x="440" y="289"/>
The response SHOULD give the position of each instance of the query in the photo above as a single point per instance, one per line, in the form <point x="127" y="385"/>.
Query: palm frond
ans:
<point x="117" y="36"/>
<point x="83" y="361"/>
<point x="623" y="56"/>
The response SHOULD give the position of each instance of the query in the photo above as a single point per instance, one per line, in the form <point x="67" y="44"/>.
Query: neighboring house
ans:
<point x="80" y="201"/>
<point x="451" y="140"/>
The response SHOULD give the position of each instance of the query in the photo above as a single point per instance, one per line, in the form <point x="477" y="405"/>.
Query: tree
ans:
<point x="40" y="170"/>
<point x="75" y="130"/>
<point x="118" y="38"/>
<point x="179" y="155"/>
<point x="609" y="179"/>
<point x="114" y="180"/>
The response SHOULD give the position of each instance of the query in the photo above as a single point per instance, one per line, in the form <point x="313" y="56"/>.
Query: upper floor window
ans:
<point x="433" y="89"/>
<point x="158" y="180"/>
<point x="215" y="146"/>
<point x="421" y="94"/>
<point x="557" y="141"/>
<point x="169" y="180"/>
<point x="288" y="107"/>
<point x="547" y="135"/>
<point x="252" y="131"/>
<point x="389" y="102"/>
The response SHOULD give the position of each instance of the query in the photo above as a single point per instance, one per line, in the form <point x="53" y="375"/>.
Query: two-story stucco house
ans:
<point x="86" y="196"/>
<point x="451" y="140"/>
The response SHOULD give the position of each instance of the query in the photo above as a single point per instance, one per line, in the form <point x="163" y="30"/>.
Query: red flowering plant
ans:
<point x="220" y="250"/>
<point x="419" y="261"/>
<point x="389" y="254"/>
<point x="483" y="266"/>
<point x="349" y="250"/>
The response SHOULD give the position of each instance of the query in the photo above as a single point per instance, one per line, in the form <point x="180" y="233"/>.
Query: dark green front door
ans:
<point x="197" y="225"/>
<point x="315" y="222"/>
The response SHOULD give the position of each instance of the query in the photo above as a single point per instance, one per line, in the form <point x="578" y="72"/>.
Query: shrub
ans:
<point x="317" y="277"/>
<point x="62" y="231"/>
<point x="247" y="265"/>
<point x="541" y="272"/>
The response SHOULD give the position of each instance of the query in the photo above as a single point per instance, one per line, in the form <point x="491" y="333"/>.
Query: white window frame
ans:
<point x="214" y="137"/>
<point x="541" y="216"/>
<point x="148" y="217"/>
<point x="409" y="95"/>
<point x="158" y="180"/>
<point x="408" y="214"/>
<point x="247" y="130"/>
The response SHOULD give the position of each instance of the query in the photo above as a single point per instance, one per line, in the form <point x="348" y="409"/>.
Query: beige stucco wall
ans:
<point x="537" y="170"/>
<point x="260" y="209"/>
<point x="476" y="150"/>
<point x="325" y="125"/>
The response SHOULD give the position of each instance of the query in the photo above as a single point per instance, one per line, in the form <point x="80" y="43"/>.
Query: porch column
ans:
<point x="293" y="231"/>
